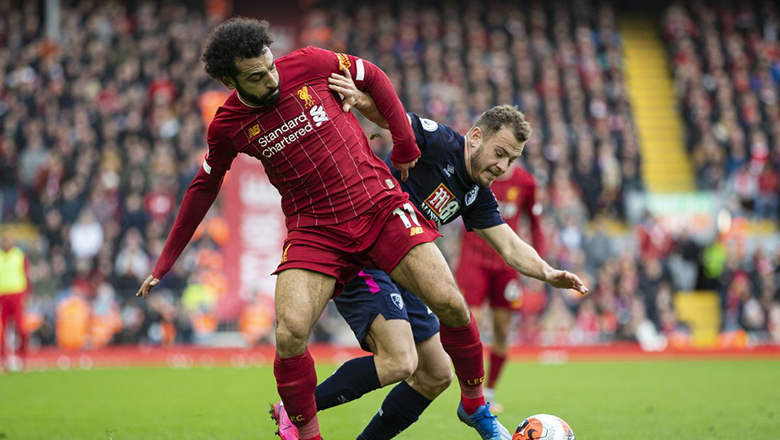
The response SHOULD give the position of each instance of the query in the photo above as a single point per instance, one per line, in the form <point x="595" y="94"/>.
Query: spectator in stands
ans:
<point x="132" y="261"/>
<point x="86" y="235"/>
<point x="81" y="116"/>
<point x="685" y="263"/>
<point x="597" y="245"/>
<point x="725" y="65"/>
<point x="767" y="205"/>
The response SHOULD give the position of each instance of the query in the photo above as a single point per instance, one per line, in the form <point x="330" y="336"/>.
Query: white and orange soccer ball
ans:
<point x="543" y="427"/>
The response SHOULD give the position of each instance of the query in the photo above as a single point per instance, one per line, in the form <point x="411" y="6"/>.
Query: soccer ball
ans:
<point x="543" y="427"/>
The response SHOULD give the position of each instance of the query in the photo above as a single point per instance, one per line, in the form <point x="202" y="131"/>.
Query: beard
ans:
<point x="479" y="170"/>
<point x="268" y="99"/>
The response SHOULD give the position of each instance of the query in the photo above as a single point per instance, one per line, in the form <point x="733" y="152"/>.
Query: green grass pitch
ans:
<point x="600" y="400"/>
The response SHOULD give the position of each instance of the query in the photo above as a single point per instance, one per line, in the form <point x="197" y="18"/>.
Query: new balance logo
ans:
<point x="318" y="114"/>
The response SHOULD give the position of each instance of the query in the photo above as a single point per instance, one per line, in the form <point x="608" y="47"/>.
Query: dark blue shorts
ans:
<point x="372" y="293"/>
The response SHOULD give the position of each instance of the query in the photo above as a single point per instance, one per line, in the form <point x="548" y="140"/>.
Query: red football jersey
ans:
<point x="516" y="195"/>
<point x="316" y="155"/>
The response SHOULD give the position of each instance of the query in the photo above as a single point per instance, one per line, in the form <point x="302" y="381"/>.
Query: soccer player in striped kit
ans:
<point x="344" y="209"/>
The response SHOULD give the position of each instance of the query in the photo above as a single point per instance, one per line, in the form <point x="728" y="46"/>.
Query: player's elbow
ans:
<point x="517" y="261"/>
<point x="206" y="184"/>
<point x="508" y="253"/>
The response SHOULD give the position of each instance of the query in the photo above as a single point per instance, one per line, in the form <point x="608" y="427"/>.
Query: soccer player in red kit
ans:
<point x="483" y="275"/>
<point x="343" y="207"/>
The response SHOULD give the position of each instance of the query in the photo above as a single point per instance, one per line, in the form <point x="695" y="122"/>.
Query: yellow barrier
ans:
<point x="701" y="311"/>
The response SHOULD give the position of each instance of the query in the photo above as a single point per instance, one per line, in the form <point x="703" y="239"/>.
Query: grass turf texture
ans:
<point x="600" y="400"/>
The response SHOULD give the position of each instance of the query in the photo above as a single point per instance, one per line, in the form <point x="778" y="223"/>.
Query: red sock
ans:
<point x="465" y="348"/>
<point x="471" y="405"/>
<point x="310" y="431"/>
<point x="2" y="341"/>
<point x="296" y="381"/>
<point x="496" y="364"/>
<point x="22" y="341"/>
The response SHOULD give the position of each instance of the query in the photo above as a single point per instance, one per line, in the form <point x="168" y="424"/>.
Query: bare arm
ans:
<point x="366" y="106"/>
<point x="524" y="259"/>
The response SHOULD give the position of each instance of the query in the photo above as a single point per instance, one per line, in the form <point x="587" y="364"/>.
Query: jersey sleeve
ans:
<point x="428" y="134"/>
<point x="484" y="213"/>
<point x="322" y="62"/>
<point x="372" y="80"/>
<point x="221" y="152"/>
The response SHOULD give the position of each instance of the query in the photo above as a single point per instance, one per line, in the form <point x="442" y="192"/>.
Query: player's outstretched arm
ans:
<point x="197" y="200"/>
<point x="524" y="259"/>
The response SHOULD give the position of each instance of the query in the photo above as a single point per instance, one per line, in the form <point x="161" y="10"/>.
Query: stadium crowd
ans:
<point x="726" y="63"/>
<point x="102" y="133"/>
<point x="559" y="62"/>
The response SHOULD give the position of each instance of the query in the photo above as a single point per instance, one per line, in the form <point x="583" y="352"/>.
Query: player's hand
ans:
<point x="146" y="287"/>
<point x="404" y="168"/>
<point x="563" y="279"/>
<point x="344" y="85"/>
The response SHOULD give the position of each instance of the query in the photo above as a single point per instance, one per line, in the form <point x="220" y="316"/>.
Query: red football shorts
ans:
<point x="501" y="287"/>
<point x="11" y="306"/>
<point x="378" y="238"/>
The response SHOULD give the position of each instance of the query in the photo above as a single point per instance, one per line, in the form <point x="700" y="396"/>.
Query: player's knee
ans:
<point x="441" y="379"/>
<point x="402" y="366"/>
<point x="452" y="310"/>
<point x="291" y="340"/>
<point x="434" y="382"/>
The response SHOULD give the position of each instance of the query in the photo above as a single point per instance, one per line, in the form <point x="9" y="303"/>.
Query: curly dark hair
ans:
<point x="496" y="118"/>
<point x="235" y="39"/>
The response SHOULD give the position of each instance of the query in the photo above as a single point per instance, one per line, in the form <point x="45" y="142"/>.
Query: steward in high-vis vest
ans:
<point x="14" y="285"/>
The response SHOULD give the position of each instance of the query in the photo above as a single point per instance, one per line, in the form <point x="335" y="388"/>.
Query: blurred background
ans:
<point x="656" y="153"/>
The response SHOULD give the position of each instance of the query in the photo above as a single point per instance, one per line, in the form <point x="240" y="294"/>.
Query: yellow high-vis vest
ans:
<point x="12" y="277"/>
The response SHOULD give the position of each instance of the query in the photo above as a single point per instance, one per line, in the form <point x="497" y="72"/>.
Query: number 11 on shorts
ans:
<point x="402" y="212"/>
